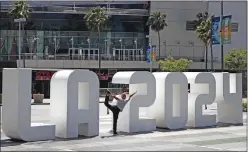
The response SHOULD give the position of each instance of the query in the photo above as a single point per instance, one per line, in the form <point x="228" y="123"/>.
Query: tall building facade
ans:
<point x="238" y="10"/>
<point x="56" y="37"/>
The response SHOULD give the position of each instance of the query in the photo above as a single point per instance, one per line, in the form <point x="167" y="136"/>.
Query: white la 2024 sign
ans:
<point x="74" y="107"/>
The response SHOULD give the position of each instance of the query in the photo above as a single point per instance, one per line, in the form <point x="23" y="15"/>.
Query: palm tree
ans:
<point x="157" y="23"/>
<point x="203" y="31"/>
<point x="96" y="20"/>
<point x="20" y="9"/>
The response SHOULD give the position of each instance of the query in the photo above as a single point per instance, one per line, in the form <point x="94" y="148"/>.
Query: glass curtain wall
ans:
<point x="57" y="35"/>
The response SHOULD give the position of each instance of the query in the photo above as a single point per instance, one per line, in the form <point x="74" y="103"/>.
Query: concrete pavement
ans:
<point x="208" y="139"/>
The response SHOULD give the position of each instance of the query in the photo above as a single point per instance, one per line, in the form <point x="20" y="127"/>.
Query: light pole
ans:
<point x="88" y="40"/>
<point x="19" y="20"/>
<point x="221" y="46"/>
<point x="121" y="48"/>
<point x="55" y="46"/>
<point x="192" y="45"/>
<point x="72" y="46"/>
<point x="36" y="40"/>
<point x="136" y="45"/>
<point x="106" y="49"/>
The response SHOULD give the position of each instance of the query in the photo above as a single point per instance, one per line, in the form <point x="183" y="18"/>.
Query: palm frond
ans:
<point x="96" y="19"/>
<point x="157" y="21"/>
<point x="203" y="29"/>
<point x="20" y="9"/>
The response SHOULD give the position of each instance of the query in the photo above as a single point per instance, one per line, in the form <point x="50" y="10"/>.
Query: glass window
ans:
<point x="190" y="25"/>
<point x="235" y="27"/>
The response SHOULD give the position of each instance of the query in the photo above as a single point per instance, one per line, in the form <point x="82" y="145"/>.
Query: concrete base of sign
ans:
<point x="17" y="97"/>
<point x="144" y="83"/>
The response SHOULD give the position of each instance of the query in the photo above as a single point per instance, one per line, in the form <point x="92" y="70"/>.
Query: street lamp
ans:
<point x="121" y="43"/>
<point x="55" y="46"/>
<point x="19" y="20"/>
<point x="121" y="48"/>
<point x="192" y="43"/>
<point x="88" y="40"/>
<point x="136" y="45"/>
<point x="36" y="39"/>
<point x="106" y="49"/>
<point x="72" y="46"/>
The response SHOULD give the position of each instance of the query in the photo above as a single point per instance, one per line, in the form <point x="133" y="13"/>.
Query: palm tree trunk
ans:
<point x="212" y="57"/>
<point x="99" y="53"/>
<point x="206" y="59"/>
<point x="24" y="36"/>
<point x="159" y="49"/>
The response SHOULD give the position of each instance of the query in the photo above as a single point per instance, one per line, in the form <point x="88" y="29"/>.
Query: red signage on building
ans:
<point x="103" y="76"/>
<point x="44" y="75"/>
<point x="47" y="75"/>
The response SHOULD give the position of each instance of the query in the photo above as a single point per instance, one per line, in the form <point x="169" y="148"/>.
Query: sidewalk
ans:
<point x="47" y="101"/>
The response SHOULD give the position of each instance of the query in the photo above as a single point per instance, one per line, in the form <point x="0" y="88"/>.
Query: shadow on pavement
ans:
<point x="11" y="142"/>
<point x="77" y="138"/>
<point x="218" y="125"/>
<point x="169" y="130"/>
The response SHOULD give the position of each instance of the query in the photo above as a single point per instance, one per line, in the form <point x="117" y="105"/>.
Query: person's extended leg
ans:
<point x="106" y="102"/>
<point x="115" y="119"/>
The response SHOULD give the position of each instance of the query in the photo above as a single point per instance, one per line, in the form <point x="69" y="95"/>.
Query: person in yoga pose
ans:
<point x="124" y="90"/>
<point x="116" y="109"/>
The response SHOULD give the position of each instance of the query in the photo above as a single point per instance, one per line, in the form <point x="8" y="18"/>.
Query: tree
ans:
<point x="203" y="31"/>
<point x="20" y="9"/>
<point x="96" y="20"/>
<point x="236" y="60"/>
<point x="172" y="65"/>
<point x="157" y="23"/>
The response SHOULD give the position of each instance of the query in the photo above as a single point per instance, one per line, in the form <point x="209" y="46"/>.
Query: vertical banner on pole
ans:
<point x="226" y="27"/>
<point x="223" y="37"/>
<point x="148" y="54"/>
<point x="215" y="30"/>
<point x="153" y="56"/>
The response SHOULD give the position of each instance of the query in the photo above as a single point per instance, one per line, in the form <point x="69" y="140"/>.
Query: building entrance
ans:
<point x="83" y="53"/>
<point x="128" y="54"/>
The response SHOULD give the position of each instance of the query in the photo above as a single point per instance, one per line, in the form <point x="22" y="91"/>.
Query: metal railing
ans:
<point x="193" y="58"/>
<point x="104" y="57"/>
<point x="113" y="90"/>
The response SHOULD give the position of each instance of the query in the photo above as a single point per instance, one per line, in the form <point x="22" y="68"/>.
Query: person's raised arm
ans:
<point x="132" y="95"/>
<point x="112" y="95"/>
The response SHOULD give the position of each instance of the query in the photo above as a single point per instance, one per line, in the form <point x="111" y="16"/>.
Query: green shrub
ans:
<point x="244" y="105"/>
<point x="172" y="65"/>
<point x="236" y="60"/>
